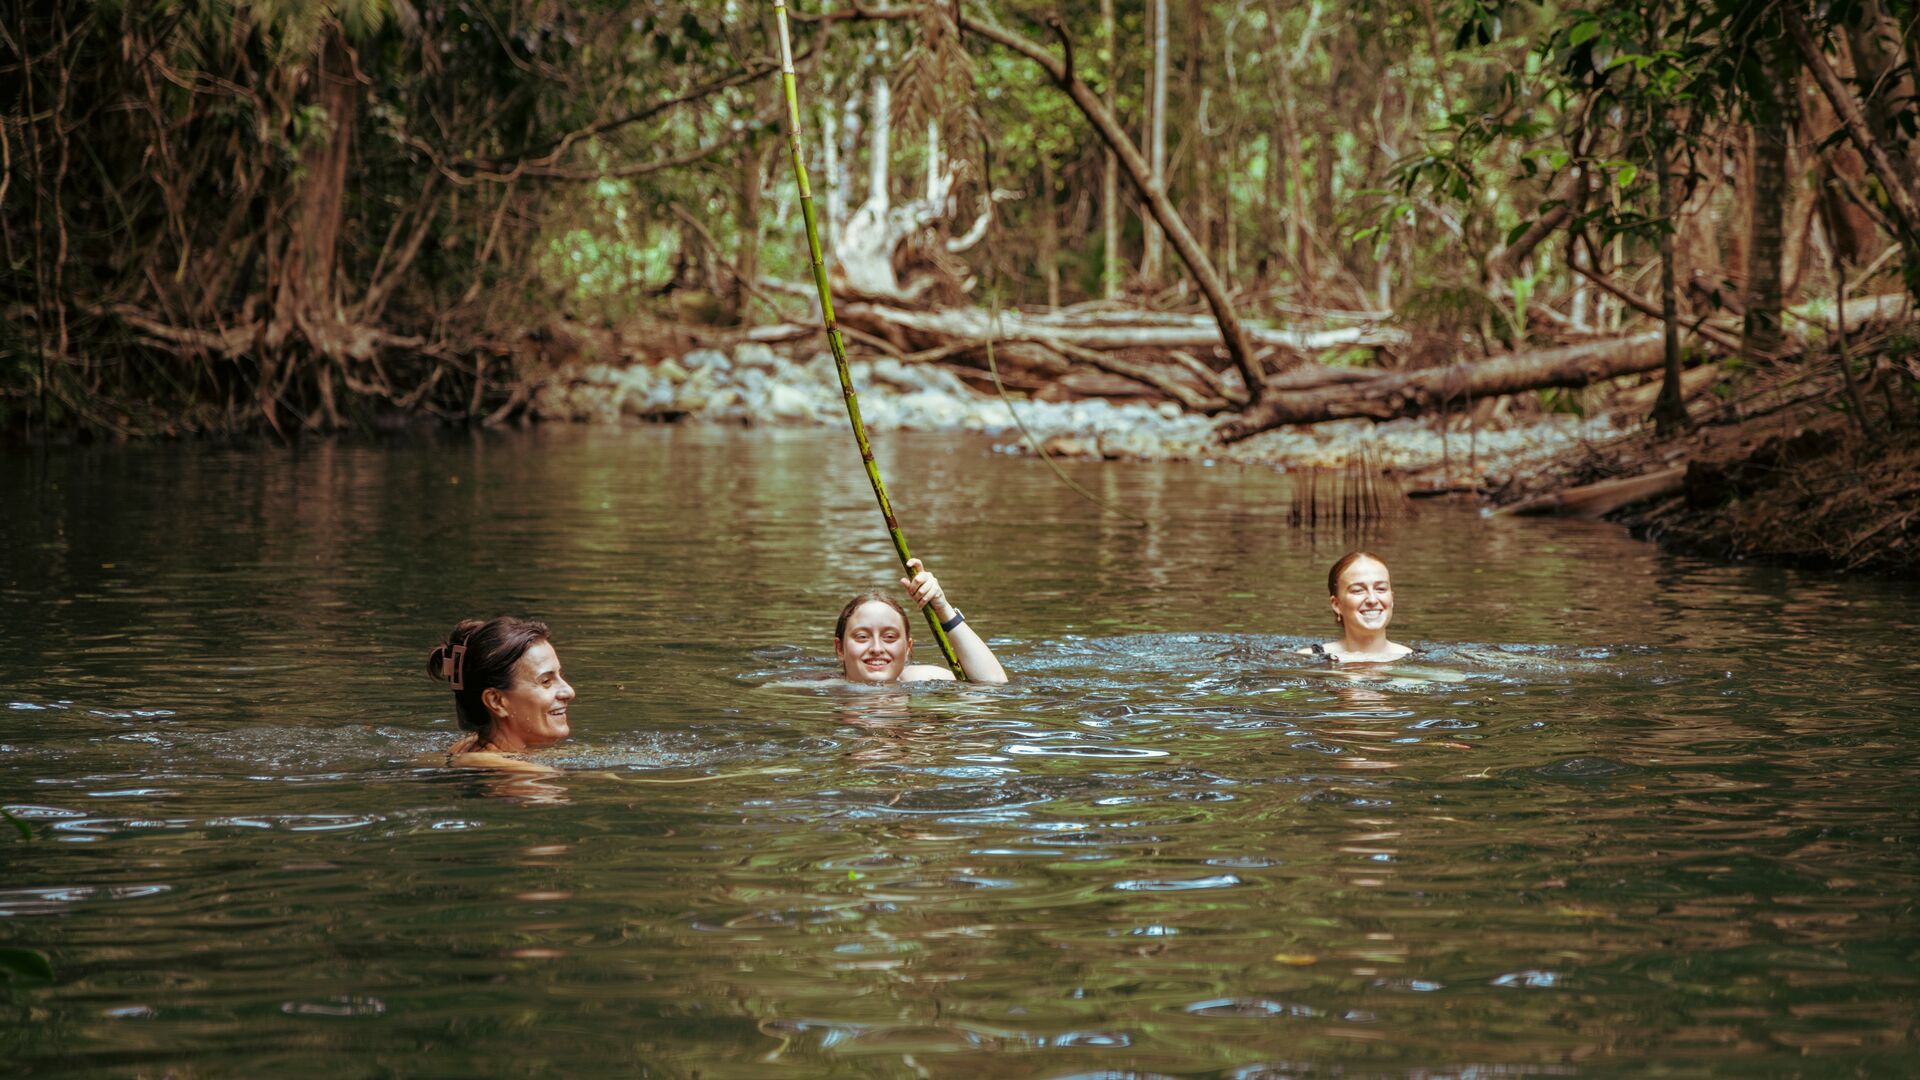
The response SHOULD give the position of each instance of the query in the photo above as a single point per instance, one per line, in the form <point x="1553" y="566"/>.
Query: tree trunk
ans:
<point x="1049" y="240"/>
<point x="1412" y="393"/>
<point x="866" y="244"/>
<point x="1670" y="411"/>
<point x="1838" y="173"/>
<point x="308" y="297"/>
<point x="1239" y="349"/>
<point x="936" y="170"/>
<point x="832" y="131"/>
<point x="1106" y="330"/>
<point x="1900" y="200"/>
<point x="1603" y="498"/>
<point x="1150" y="257"/>
<point x="1110" y="167"/>
<point x="1874" y="40"/>
<point x="747" y="259"/>
<point x="879" y="128"/>
<point x="1288" y="160"/>
<point x="1767" y="207"/>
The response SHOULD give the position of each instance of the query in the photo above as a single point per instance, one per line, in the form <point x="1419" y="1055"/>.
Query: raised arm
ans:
<point x="977" y="660"/>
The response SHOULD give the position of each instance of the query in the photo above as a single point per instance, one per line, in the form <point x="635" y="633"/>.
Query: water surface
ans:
<point x="1628" y="814"/>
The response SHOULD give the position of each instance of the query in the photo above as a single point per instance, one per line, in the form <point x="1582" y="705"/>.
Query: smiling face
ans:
<point x="875" y="647"/>
<point x="1364" y="597"/>
<point x="533" y="711"/>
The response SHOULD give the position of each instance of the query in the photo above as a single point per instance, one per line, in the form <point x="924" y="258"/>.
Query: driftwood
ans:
<point x="1128" y="330"/>
<point x="1155" y="352"/>
<point x="1601" y="499"/>
<point x="1413" y="392"/>
<point x="1410" y="393"/>
<point x="1693" y="383"/>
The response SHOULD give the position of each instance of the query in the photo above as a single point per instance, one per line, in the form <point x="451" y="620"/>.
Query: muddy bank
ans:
<point x="1819" y="497"/>
<point x="1787" y="474"/>
<point x="754" y="384"/>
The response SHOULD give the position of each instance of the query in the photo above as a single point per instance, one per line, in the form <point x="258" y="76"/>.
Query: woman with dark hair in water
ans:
<point x="873" y="640"/>
<point x="508" y="690"/>
<point x="1361" y="593"/>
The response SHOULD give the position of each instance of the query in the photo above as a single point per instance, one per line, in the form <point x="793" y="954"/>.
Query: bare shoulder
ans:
<point x="925" y="673"/>
<point x="488" y="759"/>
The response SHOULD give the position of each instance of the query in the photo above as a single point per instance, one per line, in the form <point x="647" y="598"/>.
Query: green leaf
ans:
<point x="1624" y="175"/>
<point x="1583" y="32"/>
<point x="26" y="963"/>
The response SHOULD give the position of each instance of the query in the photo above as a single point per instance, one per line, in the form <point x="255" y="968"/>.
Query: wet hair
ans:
<point x="493" y="647"/>
<point x="1333" y="575"/>
<point x="855" y="604"/>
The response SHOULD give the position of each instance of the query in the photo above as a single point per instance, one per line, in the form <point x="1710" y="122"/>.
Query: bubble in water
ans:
<point x="1218" y="881"/>
<point x="1250" y="1007"/>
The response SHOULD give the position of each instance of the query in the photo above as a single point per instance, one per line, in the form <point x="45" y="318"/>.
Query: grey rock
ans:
<point x="707" y="360"/>
<point x="754" y="355"/>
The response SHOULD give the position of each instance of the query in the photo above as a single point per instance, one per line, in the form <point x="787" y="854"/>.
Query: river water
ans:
<point x="1628" y="814"/>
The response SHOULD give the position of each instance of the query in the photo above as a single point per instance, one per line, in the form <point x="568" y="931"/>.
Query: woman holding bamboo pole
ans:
<point x="936" y="620"/>
<point x="874" y="639"/>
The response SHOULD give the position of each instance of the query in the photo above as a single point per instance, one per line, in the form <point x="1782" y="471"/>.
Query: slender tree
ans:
<point x="1901" y="204"/>
<point x="1670" y="409"/>
<point x="1150" y="257"/>
<point x="1767" y="209"/>
<point x="1110" y="167"/>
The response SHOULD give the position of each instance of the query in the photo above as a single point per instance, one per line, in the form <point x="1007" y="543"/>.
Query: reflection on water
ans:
<point x="1622" y="813"/>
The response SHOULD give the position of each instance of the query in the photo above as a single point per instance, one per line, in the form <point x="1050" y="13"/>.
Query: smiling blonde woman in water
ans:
<point x="873" y="639"/>
<point x="1361" y="594"/>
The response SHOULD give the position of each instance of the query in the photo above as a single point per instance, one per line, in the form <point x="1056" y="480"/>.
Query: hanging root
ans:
<point x="1354" y="494"/>
<point x="993" y="368"/>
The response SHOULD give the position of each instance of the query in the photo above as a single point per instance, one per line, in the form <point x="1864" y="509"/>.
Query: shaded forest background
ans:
<point x="240" y="215"/>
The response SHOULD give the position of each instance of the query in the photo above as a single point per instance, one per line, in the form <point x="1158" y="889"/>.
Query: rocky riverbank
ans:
<point x="754" y="384"/>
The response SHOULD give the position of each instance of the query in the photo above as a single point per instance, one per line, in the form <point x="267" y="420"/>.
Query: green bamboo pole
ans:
<point x="834" y="343"/>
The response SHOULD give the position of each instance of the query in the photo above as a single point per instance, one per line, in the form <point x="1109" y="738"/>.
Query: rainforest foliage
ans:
<point x="233" y="215"/>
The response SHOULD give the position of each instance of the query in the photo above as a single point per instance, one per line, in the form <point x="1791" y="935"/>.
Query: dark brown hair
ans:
<point x="853" y="605"/>
<point x="1333" y="575"/>
<point x="493" y="647"/>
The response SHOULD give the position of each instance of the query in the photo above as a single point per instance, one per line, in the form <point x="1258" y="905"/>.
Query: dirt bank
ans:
<point x="1783" y="472"/>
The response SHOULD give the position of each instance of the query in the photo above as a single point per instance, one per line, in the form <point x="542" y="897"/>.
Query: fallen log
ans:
<point x="1179" y="332"/>
<point x="1601" y="499"/>
<point x="1412" y="392"/>
<point x="1171" y="380"/>
<point x="1693" y="383"/>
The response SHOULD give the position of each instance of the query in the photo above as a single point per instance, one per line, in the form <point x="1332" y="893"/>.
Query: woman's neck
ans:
<point x="500" y="742"/>
<point x="1363" y="642"/>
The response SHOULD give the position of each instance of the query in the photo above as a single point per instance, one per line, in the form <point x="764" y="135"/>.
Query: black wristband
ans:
<point x="949" y="624"/>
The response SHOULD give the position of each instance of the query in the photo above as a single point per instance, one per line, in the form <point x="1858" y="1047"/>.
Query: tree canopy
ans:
<point x="258" y="214"/>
